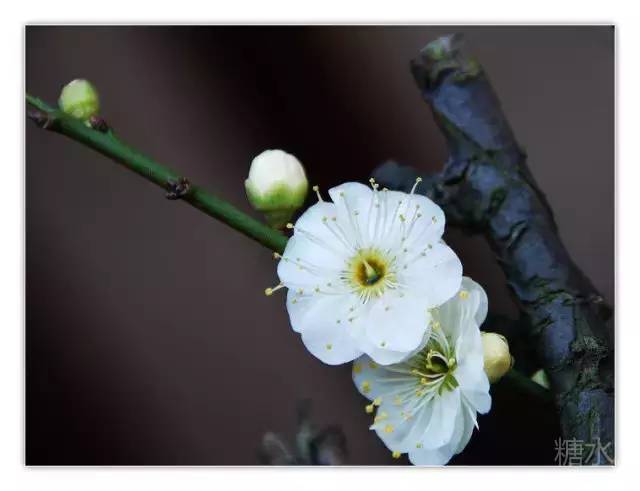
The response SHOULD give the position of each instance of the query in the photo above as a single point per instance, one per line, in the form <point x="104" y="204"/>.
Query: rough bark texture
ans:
<point x="486" y="187"/>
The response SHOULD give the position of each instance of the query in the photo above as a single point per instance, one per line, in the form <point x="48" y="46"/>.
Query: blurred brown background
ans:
<point x="148" y="337"/>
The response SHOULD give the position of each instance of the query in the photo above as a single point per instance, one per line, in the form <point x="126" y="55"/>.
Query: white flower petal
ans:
<point x="311" y="222"/>
<point x="408" y="428"/>
<point x="467" y="428"/>
<point x="441" y="426"/>
<point x="429" y="227"/>
<point x="478" y="399"/>
<point x="459" y="427"/>
<point x="350" y="195"/>
<point x="482" y="301"/>
<point x="371" y="379"/>
<point x="330" y="342"/>
<point x="434" y="277"/>
<point x="434" y="457"/>
<point x="305" y="265"/>
<point x="459" y="317"/>
<point x="311" y="309"/>
<point x="386" y="356"/>
<point x="397" y="323"/>
<point x="352" y="201"/>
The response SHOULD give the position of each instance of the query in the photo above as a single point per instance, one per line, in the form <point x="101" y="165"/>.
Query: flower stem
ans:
<point x="108" y="144"/>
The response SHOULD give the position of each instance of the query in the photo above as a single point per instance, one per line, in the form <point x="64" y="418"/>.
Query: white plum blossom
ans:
<point x="363" y="271"/>
<point x="426" y="406"/>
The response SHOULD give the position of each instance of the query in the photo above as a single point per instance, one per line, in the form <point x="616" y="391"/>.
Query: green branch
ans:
<point x="108" y="144"/>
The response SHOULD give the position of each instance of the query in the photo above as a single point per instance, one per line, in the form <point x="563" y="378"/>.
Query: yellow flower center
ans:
<point x="435" y="365"/>
<point x="369" y="273"/>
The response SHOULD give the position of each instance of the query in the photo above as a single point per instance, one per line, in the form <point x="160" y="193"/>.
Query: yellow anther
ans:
<point x="276" y="255"/>
<point x="395" y="454"/>
<point x="357" y="368"/>
<point x="373" y="365"/>
<point x="436" y="325"/>
<point x="424" y="381"/>
<point x="366" y="387"/>
<point x="269" y="291"/>
<point x="315" y="188"/>
<point x="289" y="225"/>
<point x="418" y="445"/>
<point x="388" y="429"/>
<point x="377" y="401"/>
<point x="464" y="294"/>
<point x="368" y="408"/>
<point x="418" y="179"/>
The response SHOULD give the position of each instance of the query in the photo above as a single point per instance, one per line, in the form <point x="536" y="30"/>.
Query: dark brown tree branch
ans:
<point x="486" y="187"/>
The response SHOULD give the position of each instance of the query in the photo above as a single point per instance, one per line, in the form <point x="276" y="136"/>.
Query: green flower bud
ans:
<point x="277" y="186"/>
<point x="497" y="359"/>
<point x="541" y="378"/>
<point x="79" y="99"/>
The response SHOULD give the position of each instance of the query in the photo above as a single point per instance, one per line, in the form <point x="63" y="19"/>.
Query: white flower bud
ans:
<point x="79" y="99"/>
<point x="497" y="359"/>
<point x="277" y="186"/>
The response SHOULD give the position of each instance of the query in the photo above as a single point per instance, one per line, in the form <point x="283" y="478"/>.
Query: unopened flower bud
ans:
<point x="277" y="186"/>
<point x="497" y="359"/>
<point x="79" y="99"/>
